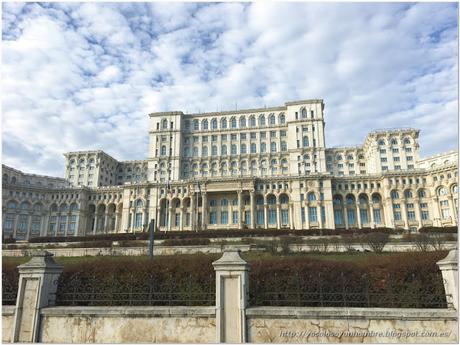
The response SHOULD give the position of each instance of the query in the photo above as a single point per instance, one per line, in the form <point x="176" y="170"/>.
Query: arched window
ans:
<point x="406" y="141"/>
<point x="187" y="151"/>
<point x="273" y="147"/>
<point x="213" y="124"/>
<point x="394" y="141"/>
<point x="223" y="123"/>
<point x="261" y="120"/>
<point x="455" y="189"/>
<point x="305" y="141"/>
<point x="63" y="208"/>
<point x="5" y="178"/>
<point x="350" y="200"/>
<point x="242" y="122"/>
<point x="252" y="121"/>
<point x="311" y="196"/>
<point x="304" y="113"/>
<point x="233" y="149"/>
<point x="73" y="207"/>
<point x="253" y="148"/>
<point x="214" y="150"/>
<point x="224" y="202"/>
<point x="263" y="148"/>
<point x="282" y="120"/>
<point x="408" y="194"/>
<point x="139" y="203"/>
<point x="381" y="142"/>
<point x="442" y="191"/>
<point x="271" y="120"/>
<point x="233" y="122"/>
<point x="375" y="199"/>
<point x="163" y="150"/>
<point x="25" y="206"/>
<point x="204" y="124"/>
<point x="37" y="208"/>
<point x="362" y="200"/>
<point x="338" y="158"/>
<point x="11" y="205"/>
<point x="196" y="125"/>
<point x="205" y="151"/>
<point x="284" y="199"/>
<point x="337" y="200"/>
<point x="350" y="157"/>
<point x="223" y="150"/>
<point x="164" y="124"/>
<point x="422" y="193"/>
<point x="259" y="200"/>
<point x="394" y="194"/>
<point x="195" y="151"/>
<point x="243" y="148"/>
<point x="306" y="157"/>
<point x="271" y="200"/>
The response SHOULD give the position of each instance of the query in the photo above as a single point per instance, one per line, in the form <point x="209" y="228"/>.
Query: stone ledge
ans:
<point x="122" y="311"/>
<point x="8" y="310"/>
<point x="354" y="313"/>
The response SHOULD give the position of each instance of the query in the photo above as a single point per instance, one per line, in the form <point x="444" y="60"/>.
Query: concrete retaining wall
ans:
<point x="351" y="325"/>
<point x="264" y="325"/>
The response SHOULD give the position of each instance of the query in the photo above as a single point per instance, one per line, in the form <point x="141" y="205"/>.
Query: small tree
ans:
<point x="422" y="242"/>
<point x="377" y="241"/>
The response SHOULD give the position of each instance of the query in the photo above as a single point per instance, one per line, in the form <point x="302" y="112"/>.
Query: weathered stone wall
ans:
<point x="128" y="325"/>
<point x="207" y="249"/>
<point x="351" y="325"/>
<point x="7" y="322"/>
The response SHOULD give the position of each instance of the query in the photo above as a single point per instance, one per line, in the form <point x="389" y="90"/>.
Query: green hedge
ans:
<point x="443" y="230"/>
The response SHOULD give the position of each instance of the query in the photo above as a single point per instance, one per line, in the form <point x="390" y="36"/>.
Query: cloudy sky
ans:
<point x="85" y="76"/>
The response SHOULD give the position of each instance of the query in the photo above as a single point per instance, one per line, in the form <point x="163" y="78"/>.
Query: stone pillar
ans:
<point x="404" y="214"/>
<point x="29" y="226"/>
<point x="95" y="223"/>
<point x="240" y="214"/>
<point x="231" y="297"/>
<point x="449" y="269"/>
<point x="204" y="215"/>
<point x="291" y="216"/>
<point x="251" y="194"/>
<point x="418" y="214"/>
<point x="181" y="219"/>
<point x="453" y="214"/>
<point x="278" y="216"/>
<point x="358" y="215"/>
<point x="371" y="211"/>
<point x="169" y="216"/>
<point x="37" y="290"/>
<point x="320" y="215"/>
<point x="345" y="216"/>
<point x="192" y="212"/>
<point x="106" y="221"/>
<point x="265" y="214"/>
<point x="307" y="216"/>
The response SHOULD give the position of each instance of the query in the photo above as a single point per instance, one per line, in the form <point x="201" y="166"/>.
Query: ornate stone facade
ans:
<point x="254" y="168"/>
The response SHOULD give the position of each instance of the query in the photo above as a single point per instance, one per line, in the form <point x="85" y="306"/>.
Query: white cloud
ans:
<point x="85" y="76"/>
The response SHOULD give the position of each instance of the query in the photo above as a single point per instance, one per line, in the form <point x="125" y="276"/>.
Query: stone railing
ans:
<point x="34" y="318"/>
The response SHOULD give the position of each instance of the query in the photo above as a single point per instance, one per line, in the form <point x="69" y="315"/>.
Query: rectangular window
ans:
<point x="425" y="215"/>
<point x="410" y="205"/>
<point x="138" y="220"/>
<point x="396" y="159"/>
<point x="177" y="219"/>
<point x="383" y="160"/>
<point x="409" y="158"/>
<point x="235" y="217"/>
<point x="444" y="203"/>
<point x="408" y="149"/>
<point x="243" y="136"/>
<point x="62" y="224"/>
<point x="223" y="137"/>
<point x="8" y="224"/>
<point x="397" y="215"/>
<point x="423" y="205"/>
<point x="363" y="215"/>
<point x="224" y="217"/>
<point x="284" y="217"/>
<point x="212" y="218"/>
<point x="323" y="214"/>
<point x="411" y="215"/>
<point x="282" y="133"/>
<point x="260" y="217"/>
<point x="271" y="216"/>
<point x="351" y="216"/>
<point x="397" y="167"/>
<point x="233" y="136"/>
<point x="338" y="217"/>
<point x="395" y="150"/>
<point x="247" y="218"/>
<point x="253" y="135"/>
<point x="312" y="216"/>
<point x="302" y="213"/>
<point x="263" y="135"/>
<point x="377" y="216"/>
<point x="445" y="213"/>
<point x="383" y="151"/>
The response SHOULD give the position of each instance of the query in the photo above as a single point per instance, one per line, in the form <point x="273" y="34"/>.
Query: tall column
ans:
<point x="453" y="214"/>
<point x="15" y="224"/>
<point x="418" y="214"/>
<point x="436" y="211"/>
<point x="29" y="224"/>
<point x="388" y="215"/>
<point x="170" y="216"/>
<point x="320" y="215"/>
<point x="95" y="224"/>
<point x="181" y="219"/>
<point x="345" y="216"/>
<point x="117" y="220"/>
<point x="278" y="216"/>
<point x="204" y="221"/>
<point x="240" y="220"/>
<point x="291" y="216"/>
<point x="265" y="213"/>
<point x="404" y="214"/>
<point x="371" y="211"/>
<point x="252" y="208"/>
<point x="192" y="212"/>
<point x="307" y="216"/>
<point x="106" y="221"/>
<point x="358" y="216"/>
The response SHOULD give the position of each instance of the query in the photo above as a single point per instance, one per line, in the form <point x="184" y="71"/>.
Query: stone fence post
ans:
<point x="37" y="289"/>
<point x="231" y="297"/>
<point x="449" y="269"/>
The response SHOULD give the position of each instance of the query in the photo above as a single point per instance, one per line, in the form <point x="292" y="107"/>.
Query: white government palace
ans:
<point x="263" y="168"/>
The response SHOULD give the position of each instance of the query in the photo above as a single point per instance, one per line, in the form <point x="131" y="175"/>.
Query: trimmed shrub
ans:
<point x="436" y="229"/>
<point x="186" y="242"/>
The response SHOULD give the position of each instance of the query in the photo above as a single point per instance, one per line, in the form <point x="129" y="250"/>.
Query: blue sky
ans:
<point x="80" y="76"/>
